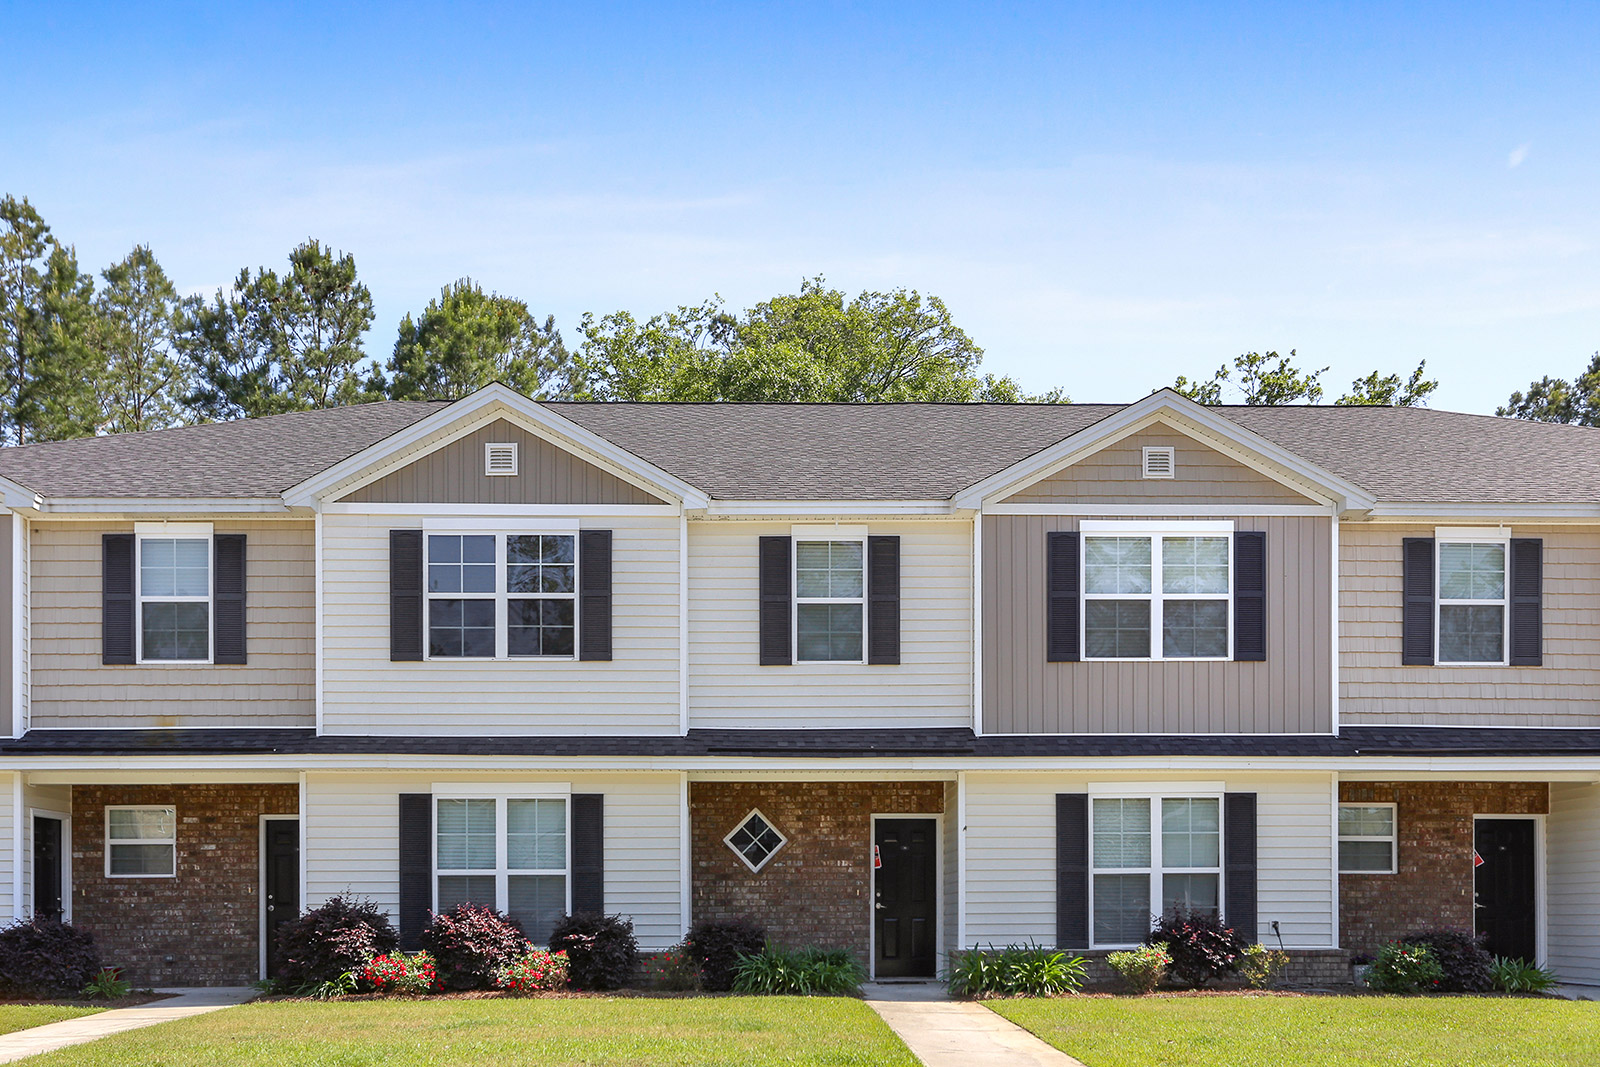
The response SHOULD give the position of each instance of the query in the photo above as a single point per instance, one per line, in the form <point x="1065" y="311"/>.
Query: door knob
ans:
<point x="879" y="907"/>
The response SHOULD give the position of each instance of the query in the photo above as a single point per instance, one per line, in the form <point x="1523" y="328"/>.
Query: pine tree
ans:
<point x="145" y="379"/>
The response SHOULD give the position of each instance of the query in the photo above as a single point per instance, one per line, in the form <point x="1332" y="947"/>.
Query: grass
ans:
<point x="15" y="1017"/>
<point x="1313" y="1031"/>
<point x="628" y="1032"/>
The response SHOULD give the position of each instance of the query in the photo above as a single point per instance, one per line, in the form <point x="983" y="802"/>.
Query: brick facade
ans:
<point x="817" y="889"/>
<point x="1434" y="838"/>
<point x="208" y="918"/>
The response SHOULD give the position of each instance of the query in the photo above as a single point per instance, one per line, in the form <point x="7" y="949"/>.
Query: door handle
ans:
<point x="880" y="907"/>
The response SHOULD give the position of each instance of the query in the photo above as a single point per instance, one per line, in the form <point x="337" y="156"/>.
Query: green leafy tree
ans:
<point x="145" y="378"/>
<point x="1558" y="400"/>
<point x="465" y="339"/>
<point x="273" y="344"/>
<point x="1388" y="389"/>
<point x="813" y="346"/>
<point x="1261" y="378"/>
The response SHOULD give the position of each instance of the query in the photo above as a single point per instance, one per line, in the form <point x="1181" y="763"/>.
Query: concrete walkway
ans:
<point x="956" y="1033"/>
<point x="21" y="1043"/>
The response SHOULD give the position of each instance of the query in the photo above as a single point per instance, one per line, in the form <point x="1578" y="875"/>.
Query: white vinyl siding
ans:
<point x="930" y="687"/>
<point x="365" y="693"/>
<point x="1572" y="840"/>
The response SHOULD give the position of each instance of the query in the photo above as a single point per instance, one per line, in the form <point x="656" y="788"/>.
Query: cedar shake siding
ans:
<point x="1290" y="691"/>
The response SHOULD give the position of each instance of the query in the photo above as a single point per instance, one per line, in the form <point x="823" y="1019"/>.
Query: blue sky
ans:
<point x="1106" y="195"/>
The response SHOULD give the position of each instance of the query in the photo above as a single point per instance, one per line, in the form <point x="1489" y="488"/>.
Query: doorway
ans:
<point x="1506" y="886"/>
<point x="49" y="867"/>
<point x="280" y="883"/>
<point x="905" y="897"/>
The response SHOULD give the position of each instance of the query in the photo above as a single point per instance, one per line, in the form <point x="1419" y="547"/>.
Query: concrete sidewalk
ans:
<point x="956" y="1033"/>
<point x="15" y="1046"/>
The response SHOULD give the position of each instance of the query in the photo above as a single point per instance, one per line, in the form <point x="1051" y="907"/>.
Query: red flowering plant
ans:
<point x="537" y="971"/>
<point x="397" y="973"/>
<point x="675" y="969"/>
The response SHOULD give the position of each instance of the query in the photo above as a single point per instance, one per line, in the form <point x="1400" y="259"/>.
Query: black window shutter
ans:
<point x="588" y="853"/>
<point x="405" y="595"/>
<point x="883" y="600"/>
<point x="1250" y="595"/>
<point x="1061" y="603"/>
<point x="1239" y="863"/>
<point x="594" y="594"/>
<point x="228" y="598"/>
<point x="116" y="598"/>
<point x="1527" y="597"/>
<point x="776" y="643"/>
<point x="1416" y="628"/>
<point x="416" y="867"/>
<point x="1072" y="870"/>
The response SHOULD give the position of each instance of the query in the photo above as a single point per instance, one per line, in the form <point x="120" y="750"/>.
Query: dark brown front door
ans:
<point x="1505" y="886"/>
<point x="905" y="895"/>
<point x="281" y="860"/>
<point x="47" y="902"/>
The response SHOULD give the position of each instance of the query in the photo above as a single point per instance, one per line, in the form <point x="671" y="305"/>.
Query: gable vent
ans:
<point x="500" y="459"/>
<point x="1160" y="463"/>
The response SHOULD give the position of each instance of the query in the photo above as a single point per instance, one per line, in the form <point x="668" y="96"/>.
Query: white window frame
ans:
<point x="1393" y="839"/>
<point x="825" y="537"/>
<point x="1156" y="532"/>
<point x="169" y="841"/>
<point x="175" y="531"/>
<point x="501" y="872"/>
<point x="501" y="597"/>
<point x="1487" y="536"/>
<point x="1156" y="871"/>
<point x="783" y="840"/>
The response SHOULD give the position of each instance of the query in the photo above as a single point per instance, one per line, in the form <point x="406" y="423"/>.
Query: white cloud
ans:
<point x="1518" y="154"/>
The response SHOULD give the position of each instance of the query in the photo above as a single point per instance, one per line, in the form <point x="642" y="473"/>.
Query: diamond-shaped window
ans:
<point x="756" y="840"/>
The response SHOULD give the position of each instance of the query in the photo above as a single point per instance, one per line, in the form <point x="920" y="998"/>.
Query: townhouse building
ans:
<point x="900" y="678"/>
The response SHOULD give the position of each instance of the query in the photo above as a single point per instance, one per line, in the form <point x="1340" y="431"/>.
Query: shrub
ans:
<point x="46" y="958"/>
<point x="1016" y="970"/>
<point x="601" y="949"/>
<point x="107" y="984"/>
<point x="1141" y="969"/>
<point x="330" y="941"/>
<point x="470" y="942"/>
<point x="718" y="947"/>
<point x="674" y="969"/>
<point x="1201" y="947"/>
<point x="1519" y="976"/>
<point x="399" y="973"/>
<point x="1262" y="966"/>
<point x="1403" y="968"/>
<point x="1468" y="967"/>
<point x="776" y="970"/>
<point x="537" y="972"/>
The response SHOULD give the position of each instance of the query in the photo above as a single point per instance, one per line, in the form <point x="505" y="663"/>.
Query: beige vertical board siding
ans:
<point x="545" y="474"/>
<point x="72" y="688"/>
<point x="53" y="798"/>
<point x="931" y="686"/>
<point x="1011" y="854"/>
<point x="27" y="626"/>
<point x="1572" y="850"/>
<point x="1116" y="473"/>
<point x="1291" y="692"/>
<point x="364" y="693"/>
<point x="353" y="840"/>
<point x="1374" y="688"/>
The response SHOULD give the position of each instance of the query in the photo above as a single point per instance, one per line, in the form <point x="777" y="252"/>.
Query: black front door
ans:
<point x="47" y="903"/>
<point x="905" y="894"/>
<point x="1506" y="886"/>
<point x="281" y="858"/>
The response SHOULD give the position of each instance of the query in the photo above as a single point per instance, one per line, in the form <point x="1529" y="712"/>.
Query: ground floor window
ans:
<point x="1366" y="839"/>
<point x="141" y="841"/>
<point x="508" y="853"/>
<point x="1152" y="855"/>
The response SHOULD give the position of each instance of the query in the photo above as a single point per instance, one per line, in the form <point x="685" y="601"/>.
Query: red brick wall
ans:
<point x="208" y="918"/>
<point x="816" y="890"/>
<point x="1433" y="883"/>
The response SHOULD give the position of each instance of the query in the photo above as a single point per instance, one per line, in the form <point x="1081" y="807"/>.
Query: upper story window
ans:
<point x="830" y="600"/>
<point x="174" y="590"/>
<point x="141" y="841"/>
<point x="496" y="595"/>
<point x="1472" y="600"/>
<point x="1157" y="592"/>
<point x="1152" y="855"/>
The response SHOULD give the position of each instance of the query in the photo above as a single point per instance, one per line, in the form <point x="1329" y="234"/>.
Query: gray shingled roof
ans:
<point x="842" y="451"/>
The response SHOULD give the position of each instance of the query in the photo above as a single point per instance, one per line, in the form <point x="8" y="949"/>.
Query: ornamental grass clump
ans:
<point x="331" y="941"/>
<point x="469" y="943"/>
<point x="1513" y="975"/>
<point x="1141" y="969"/>
<point x="539" y="971"/>
<point x="602" y="950"/>
<point x="398" y="974"/>
<point x="1016" y="970"/>
<point x="1405" y="969"/>
<point x="1201" y="946"/>
<point x="779" y="971"/>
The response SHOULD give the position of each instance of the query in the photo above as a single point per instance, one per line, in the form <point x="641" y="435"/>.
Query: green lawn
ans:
<point x="22" y="1016"/>
<point x="1312" y="1031"/>
<point x="628" y="1032"/>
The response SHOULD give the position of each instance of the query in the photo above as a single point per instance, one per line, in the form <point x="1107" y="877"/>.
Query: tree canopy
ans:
<point x="145" y="379"/>
<point x="1558" y="400"/>
<point x="1270" y="379"/>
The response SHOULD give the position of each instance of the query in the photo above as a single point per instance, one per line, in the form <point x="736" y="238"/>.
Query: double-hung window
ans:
<point x="504" y="852"/>
<point x="1157" y="591"/>
<point x="499" y="595"/>
<point x="830" y="600"/>
<point x="141" y="841"/>
<point x="1472" y="600"/>
<point x="1366" y="839"/>
<point x="174" y="589"/>
<point x="1152" y="855"/>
